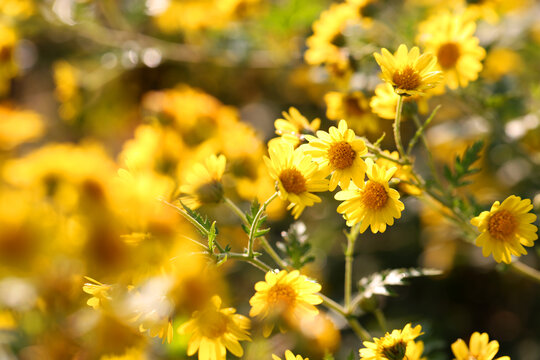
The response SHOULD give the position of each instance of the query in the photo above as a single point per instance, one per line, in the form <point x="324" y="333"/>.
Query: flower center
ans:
<point x="501" y="224"/>
<point x="396" y="351"/>
<point x="210" y="193"/>
<point x="281" y="296"/>
<point x="448" y="55"/>
<point x="374" y="195"/>
<point x="407" y="79"/>
<point x="353" y="107"/>
<point x="341" y="155"/>
<point x="293" y="181"/>
<point x="213" y="324"/>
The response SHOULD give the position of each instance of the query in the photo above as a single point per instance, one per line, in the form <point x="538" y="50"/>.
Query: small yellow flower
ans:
<point x="353" y="107"/>
<point x="407" y="71"/>
<point x="339" y="153"/>
<point x="451" y="38"/>
<point x="203" y="183"/>
<point x="294" y="126"/>
<point x="18" y="126"/>
<point x="287" y="295"/>
<point x="506" y="228"/>
<point x="402" y="173"/>
<point x="385" y="100"/>
<point x="373" y="204"/>
<point x="100" y="293"/>
<point x="289" y="356"/>
<point x="215" y="330"/>
<point x="398" y="345"/>
<point x="480" y="348"/>
<point x="297" y="176"/>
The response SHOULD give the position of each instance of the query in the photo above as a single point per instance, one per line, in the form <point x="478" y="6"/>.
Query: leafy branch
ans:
<point x="462" y="165"/>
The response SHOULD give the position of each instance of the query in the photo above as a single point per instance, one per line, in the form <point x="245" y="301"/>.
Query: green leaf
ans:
<point x="203" y="222"/>
<point x="377" y="284"/>
<point x="462" y="166"/>
<point x="212" y="237"/>
<point x="250" y="216"/>
<point x="295" y="245"/>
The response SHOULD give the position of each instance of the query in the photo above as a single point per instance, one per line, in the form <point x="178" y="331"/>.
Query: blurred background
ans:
<point x="106" y="105"/>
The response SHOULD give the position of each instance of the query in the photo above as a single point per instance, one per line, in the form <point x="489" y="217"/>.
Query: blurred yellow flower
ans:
<point x="18" y="126"/>
<point x="397" y="345"/>
<point x="214" y="331"/>
<point x="289" y="356"/>
<point x="130" y="354"/>
<point x="100" y="293"/>
<point x="506" y="228"/>
<point x="17" y="8"/>
<point x="480" y="348"/>
<point x="407" y="71"/>
<point x="66" y="78"/>
<point x="385" y="100"/>
<point x="501" y="61"/>
<point x="339" y="153"/>
<point x="297" y="176"/>
<point x="451" y="38"/>
<point x="353" y="107"/>
<point x="203" y="184"/>
<point x="294" y="126"/>
<point x="373" y="203"/>
<point x="286" y="295"/>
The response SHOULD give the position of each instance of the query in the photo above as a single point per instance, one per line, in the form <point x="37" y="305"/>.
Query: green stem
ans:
<point x="525" y="270"/>
<point x="379" y="315"/>
<point x="236" y="210"/>
<point x="397" y="128"/>
<point x="351" y="239"/>
<point x="253" y="228"/>
<point x="359" y="330"/>
<point x="380" y="154"/>
<point x="420" y="131"/>
<point x="251" y="260"/>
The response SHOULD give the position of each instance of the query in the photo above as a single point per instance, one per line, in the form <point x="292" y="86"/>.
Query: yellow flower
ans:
<point x="398" y="345"/>
<point x="480" y="348"/>
<point x="338" y="152"/>
<point x="297" y="176"/>
<point x="17" y="8"/>
<point x="8" y="67"/>
<point x="66" y="78"/>
<point x="286" y="295"/>
<point x="373" y="204"/>
<point x="294" y="126"/>
<point x="130" y="354"/>
<point x="501" y="61"/>
<point x="215" y="330"/>
<point x="506" y="228"/>
<point x="407" y="71"/>
<point x="402" y="173"/>
<point x="289" y="356"/>
<point x="384" y="102"/>
<point x="203" y="183"/>
<point x="100" y="293"/>
<point x="353" y="107"/>
<point x="451" y="38"/>
<point x="18" y="126"/>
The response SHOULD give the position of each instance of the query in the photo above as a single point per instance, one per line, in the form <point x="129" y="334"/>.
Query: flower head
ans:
<point x="297" y="176"/>
<point x="480" y="348"/>
<point x="338" y="152"/>
<point x="397" y="345"/>
<point x="294" y="126"/>
<point x="215" y="330"/>
<point x="353" y="107"/>
<point x="287" y="295"/>
<point x="506" y="228"/>
<point x="100" y="293"/>
<point x="407" y="71"/>
<point x="289" y="356"/>
<point x="203" y="183"/>
<point x="372" y="204"/>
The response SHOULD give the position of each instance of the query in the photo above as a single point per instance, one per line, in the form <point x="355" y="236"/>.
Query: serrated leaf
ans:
<point x="295" y="245"/>
<point x="377" y="284"/>
<point x="462" y="165"/>
<point x="204" y="222"/>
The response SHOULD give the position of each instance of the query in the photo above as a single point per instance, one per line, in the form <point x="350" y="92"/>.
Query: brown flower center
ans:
<point x="374" y="195"/>
<point x="210" y="193"/>
<point x="501" y="224"/>
<point x="293" y="181"/>
<point x="213" y="324"/>
<point x="282" y="296"/>
<point x="396" y="351"/>
<point x="341" y="155"/>
<point x="448" y="55"/>
<point x="407" y="79"/>
<point x="353" y="106"/>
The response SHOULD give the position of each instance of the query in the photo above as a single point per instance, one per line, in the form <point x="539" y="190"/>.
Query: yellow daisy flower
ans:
<point x="294" y="126"/>
<point x="506" y="228"/>
<point x="373" y="204"/>
<point x="398" y="345"/>
<point x="480" y="348"/>
<point x="287" y="295"/>
<point x="402" y="173"/>
<point x="385" y="100"/>
<point x="338" y="152"/>
<point x="203" y="183"/>
<point x="451" y="38"/>
<point x="297" y="176"/>
<point x="289" y="356"/>
<point x="407" y="71"/>
<point x="100" y="293"/>
<point x="353" y="107"/>
<point x="215" y="330"/>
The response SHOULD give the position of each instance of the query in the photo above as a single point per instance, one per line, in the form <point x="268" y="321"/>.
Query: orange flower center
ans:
<point x="448" y="55"/>
<point x="374" y="195"/>
<point x="293" y="181"/>
<point x="281" y="296"/>
<point x="341" y="155"/>
<point x="213" y="324"/>
<point x="407" y="79"/>
<point x="501" y="224"/>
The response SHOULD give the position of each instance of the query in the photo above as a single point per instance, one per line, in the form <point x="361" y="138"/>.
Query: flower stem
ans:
<point x="397" y="130"/>
<point x="525" y="270"/>
<point x="351" y="239"/>
<point x="236" y="210"/>
<point x="254" y="225"/>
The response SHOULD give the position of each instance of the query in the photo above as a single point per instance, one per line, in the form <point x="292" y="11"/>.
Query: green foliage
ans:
<point x="201" y="222"/>
<point x="255" y="228"/>
<point x="377" y="284"/>
<point x="462" y="165"/>
<point x="295" y="245"/>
